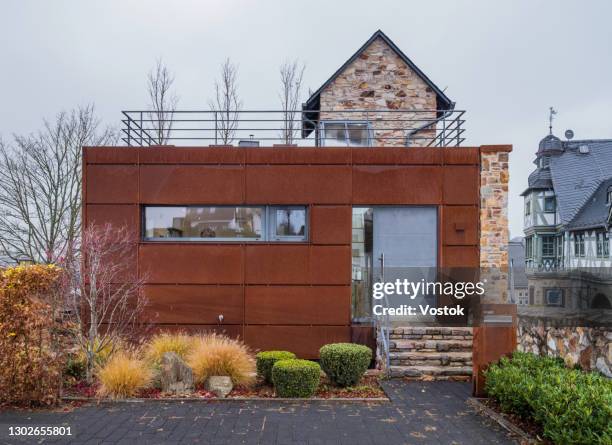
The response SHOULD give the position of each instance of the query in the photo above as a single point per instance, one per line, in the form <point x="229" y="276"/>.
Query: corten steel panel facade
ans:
<point x="275" y="295"/>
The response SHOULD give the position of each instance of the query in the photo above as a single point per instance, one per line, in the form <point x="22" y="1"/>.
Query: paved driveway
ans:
<point x="419" y="413"/>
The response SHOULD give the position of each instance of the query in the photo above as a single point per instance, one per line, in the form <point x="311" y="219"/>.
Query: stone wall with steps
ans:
<point x="439" y="353"/>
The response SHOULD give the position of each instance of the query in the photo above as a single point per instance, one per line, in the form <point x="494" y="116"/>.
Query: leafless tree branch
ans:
<point x="291" y="74"/>
<point x="105" y="298"/>
<point x="40" y="186"/>
<point x="227" y="103"/>
<point x="163" y="102"/>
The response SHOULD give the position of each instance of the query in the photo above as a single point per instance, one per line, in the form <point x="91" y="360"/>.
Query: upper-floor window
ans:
<point x="225" y="223"/>
<point x="603" y="245"/>
<point x="609" y="195"/>
<point x="579" y="244"/>
<point x="550" y="204"/>
<point x="529" y="247"/>
<point x="559" y="241"/>
<point x="345" y="133"/>
<point x="527" y="207"/>
<point x="544" y="162"/>
<point x="548" y="246"/>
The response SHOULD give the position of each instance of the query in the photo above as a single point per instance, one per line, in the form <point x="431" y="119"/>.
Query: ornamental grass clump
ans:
<point x="123" y="375"/>
<point x="266" y="360"/>
<point x="571" y="406"/>
<point x="179" y="343"/>
<point x="217" y="355"/>
<point x="345" y="363"/>
<point x="295" y="378"/>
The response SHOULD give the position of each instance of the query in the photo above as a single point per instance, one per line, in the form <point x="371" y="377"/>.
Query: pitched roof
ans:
<point x="576" y="175"/>
<point x="313" y="102"/>
<point x="594" y="213"/>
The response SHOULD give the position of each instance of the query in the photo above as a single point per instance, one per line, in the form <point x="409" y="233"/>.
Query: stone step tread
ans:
<point x="432" y="331"/>
<point x="419" y="370"/>
<point x="397" y="344"/>
<point x="431" y="355"/>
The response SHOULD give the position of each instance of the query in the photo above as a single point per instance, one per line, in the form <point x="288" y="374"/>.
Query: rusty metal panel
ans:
<point x="462" y="155"/>
<point x="375" y="184"/>
<point x="194" y="304"/>
<point x="298" y="305"/>
<point x="330" y="265"/>
<point x="119" y="215"/>
<point x="460" y="225"/>
<point x="460" y="256"/>
<point x="191" y="263"/>
<point x="110" y="155"/>
<point x="191" y="155"/>
<point x="461" y="184"/>
<point x="191" y="184"/>
<point x="112" y="184"/>
<point x="304" y="341"/>
<point x="277" y="264"/>
<point x="298" y="155"/>
<point x="330" y="224"/>
<point x="298" y="184"/>
<point x="396" y="156"/>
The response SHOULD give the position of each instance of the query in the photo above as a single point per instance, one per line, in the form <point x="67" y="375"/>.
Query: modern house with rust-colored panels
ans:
<point x="270" y="227"/>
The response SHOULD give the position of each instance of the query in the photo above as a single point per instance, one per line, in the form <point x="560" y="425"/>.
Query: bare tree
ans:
<point x="227" y="103"/>
<point x="104" y="297"/>
<point x="163" y="102"/>
<point x="40" y="186"/>
<point x="291" y="74"/>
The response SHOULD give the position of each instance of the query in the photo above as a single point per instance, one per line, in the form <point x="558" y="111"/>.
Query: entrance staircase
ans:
<point x="430" y="353"/>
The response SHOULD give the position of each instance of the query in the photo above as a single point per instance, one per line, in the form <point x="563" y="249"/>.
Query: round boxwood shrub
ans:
<point x="266" y="359"/>
<point x="345" y="363"/>
<point x="295" y="378"/>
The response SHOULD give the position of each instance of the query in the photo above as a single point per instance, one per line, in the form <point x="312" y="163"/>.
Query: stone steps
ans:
<point x="441" y="345"/>
<point x="435" y="372"/>
<point x="430" y="358"/>
<point x="431" y="353"/>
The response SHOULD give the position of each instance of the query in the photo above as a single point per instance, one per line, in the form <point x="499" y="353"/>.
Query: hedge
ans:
<point x="266" y="360"/>
<point x="573" y="407"/>
<point x="345" y="363"/>
<point x="295" y="378"/>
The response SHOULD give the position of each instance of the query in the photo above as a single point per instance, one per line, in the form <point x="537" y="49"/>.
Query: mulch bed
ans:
<point x="527" y="425"/>
<point x="368" y="388"/>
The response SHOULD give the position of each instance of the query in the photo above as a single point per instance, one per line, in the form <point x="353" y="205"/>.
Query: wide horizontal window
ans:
<point x="225" y="223"/>
<point x="342" y="133"/>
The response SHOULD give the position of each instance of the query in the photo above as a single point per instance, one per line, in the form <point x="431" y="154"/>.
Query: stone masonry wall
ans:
<point x="379" y="80"/>
<point x="590" y="348"/>
<point x="494" y="221"/>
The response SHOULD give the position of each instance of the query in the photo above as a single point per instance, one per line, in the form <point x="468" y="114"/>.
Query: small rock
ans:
<point x="176" y="376"/>
<point x="221" y="386"/>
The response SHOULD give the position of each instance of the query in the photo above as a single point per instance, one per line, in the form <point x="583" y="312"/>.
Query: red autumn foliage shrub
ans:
<point x="31" y="359"/>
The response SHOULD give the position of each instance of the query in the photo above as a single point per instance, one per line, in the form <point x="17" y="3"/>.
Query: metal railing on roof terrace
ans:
<point x="318" y="128"/>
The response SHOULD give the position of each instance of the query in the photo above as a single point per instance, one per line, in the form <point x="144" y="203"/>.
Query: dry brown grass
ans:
<point x="179" y="343"/>
<point x="219" y="355"/>
<point x="123" y="375"/>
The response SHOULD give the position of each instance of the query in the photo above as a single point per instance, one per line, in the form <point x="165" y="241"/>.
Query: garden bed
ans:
<point x="368" y="389"/>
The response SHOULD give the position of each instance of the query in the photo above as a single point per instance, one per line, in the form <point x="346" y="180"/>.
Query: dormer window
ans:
<point x="345" y="134"/>
<point x="609" y="196"/>
<point x="544" y="162"/>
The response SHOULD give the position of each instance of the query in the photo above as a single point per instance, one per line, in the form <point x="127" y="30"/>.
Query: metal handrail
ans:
<point x="400" y="127"/>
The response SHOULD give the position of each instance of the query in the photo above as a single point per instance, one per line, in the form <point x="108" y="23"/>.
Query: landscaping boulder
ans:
<point x="176" y="376"/>
<point x="221" y="386"/>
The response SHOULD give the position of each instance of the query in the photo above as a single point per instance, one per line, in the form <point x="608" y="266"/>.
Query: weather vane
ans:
<point x="551" y="116"/>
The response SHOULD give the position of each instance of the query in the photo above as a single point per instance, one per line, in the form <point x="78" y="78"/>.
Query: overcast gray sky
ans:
<point x="504" y="62"/>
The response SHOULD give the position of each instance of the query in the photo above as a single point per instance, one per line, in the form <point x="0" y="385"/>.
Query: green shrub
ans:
<point x="345" y="363"/>
<point x="266" y="360"/>
<point x="572" y="407"/>
<point x="295" y="378"/>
